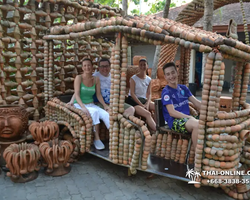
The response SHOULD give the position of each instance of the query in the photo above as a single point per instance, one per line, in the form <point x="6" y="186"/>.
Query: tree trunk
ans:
<point x="158" y="48"/>
<point x="166" y="8"/>
<point x="125" y="7"/>
<point x="208" y="26"/>
<point x="208" y="15"/>
<point x="155" y="62"/>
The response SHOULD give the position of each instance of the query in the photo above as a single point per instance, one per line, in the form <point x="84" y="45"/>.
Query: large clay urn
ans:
<point x="13" y="122"/>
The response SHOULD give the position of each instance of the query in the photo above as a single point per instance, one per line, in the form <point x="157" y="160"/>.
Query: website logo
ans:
<point x="193" y="175"/>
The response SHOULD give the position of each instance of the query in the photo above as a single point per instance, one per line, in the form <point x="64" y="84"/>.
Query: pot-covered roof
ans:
<point x="195" y="10"/>
<point x="154" y="30"/>
<point x="189" y="15"/>
<point x="223" y="15"/>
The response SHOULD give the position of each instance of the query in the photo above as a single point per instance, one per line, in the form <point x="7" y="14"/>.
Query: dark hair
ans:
<point x="170" y="64"/>
<point x="143" y="59"/>
<point x="103" y="60"/>
<point x="87" y="59"/>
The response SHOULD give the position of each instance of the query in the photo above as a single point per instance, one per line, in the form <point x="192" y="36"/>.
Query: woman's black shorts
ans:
<point x="131" y="101"/>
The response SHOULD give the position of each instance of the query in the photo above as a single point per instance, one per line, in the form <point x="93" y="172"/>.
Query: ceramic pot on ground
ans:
<point x="44" y="131"/>
<point x="56" y="154"/>
<point x="22" y="161"/>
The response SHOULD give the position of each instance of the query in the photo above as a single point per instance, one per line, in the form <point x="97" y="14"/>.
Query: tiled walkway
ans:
<point x="92" y="178"/>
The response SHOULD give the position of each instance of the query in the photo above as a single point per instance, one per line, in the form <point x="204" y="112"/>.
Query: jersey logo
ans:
<point x="166" y="98"/>
<point x="182" y="92"/>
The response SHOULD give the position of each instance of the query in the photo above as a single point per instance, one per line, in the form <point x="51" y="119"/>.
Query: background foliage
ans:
<point x="155" y="6"/>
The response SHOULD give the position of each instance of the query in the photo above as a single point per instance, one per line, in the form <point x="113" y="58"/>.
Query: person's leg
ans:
<point x="128" y="110"/>
<point x="103" y="115"/>
<point x="192" y="127"/>
<point x="145" y="113"/>
<point x="96" y="132"/>
<point x="95" y="119"/>
<point x="152" y="109"/>
<point x="152" y="106"/>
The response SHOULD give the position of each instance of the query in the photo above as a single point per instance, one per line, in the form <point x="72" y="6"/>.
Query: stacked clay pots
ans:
<point x="245" y="157"/>
<point x="239" y="190"/>
<point x="81" y="125"/>
<point x="29" y="75"/>
<point x="237" y="86"/>
<point x="130" y="143"/>
<point x="124" y="65"/>
<point x="220" y="139"/>
<point x="114" y="99"/>
<point x="244" y="90"/>
<point x="183" y="70"/>
<point x="169" y="146"/>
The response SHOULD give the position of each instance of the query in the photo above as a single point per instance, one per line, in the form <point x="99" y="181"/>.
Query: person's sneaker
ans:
<point x="99" y="145"/>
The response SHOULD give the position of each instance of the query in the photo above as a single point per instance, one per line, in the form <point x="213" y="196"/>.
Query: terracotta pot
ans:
<point x="163" y="83"/>
<point x="155" y="85"/>
<point x="136" y="59"/>
<point x="56" y="154"/>
<point x="22" y="161"/>
<point x="44" y="131"/>
<point x="160" y="74"/>
<point x="132" y="70"/>
<point x="13" y="122"/>
<point x="244" y="134"/>
<point x="149" y="72"/>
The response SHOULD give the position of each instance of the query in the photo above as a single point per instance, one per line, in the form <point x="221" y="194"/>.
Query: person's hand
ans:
<point x="146" y="105"/>
<point x="85" y="110"/>
<point x="69" y="103"/>
<point x="142" y="105"/>
<point x="106" y="107"/>
<point x="191" y="117"/>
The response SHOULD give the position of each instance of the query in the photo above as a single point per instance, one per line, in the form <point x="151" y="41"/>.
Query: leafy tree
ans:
<point x="109" y="2"/>
<point x="136" y="2"/>
<point x="135" y="12"/>
<point x="158" y="6"/>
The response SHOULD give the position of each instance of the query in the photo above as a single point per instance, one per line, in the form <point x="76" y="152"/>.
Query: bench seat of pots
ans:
<point x="74" y="119"/>
<point x="164" y="141"/>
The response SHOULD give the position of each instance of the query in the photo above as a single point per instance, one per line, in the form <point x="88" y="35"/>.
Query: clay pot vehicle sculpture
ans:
<point x="41" y="55"/>
<point x="221" y="134"/>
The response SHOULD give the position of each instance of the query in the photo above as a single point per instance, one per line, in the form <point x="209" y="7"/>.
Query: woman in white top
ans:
<point x="140" y="94"/>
